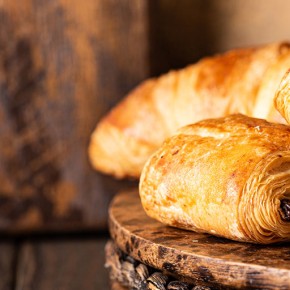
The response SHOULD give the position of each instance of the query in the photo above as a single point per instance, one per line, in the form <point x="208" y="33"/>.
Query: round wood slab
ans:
<point x="202" y="257"/>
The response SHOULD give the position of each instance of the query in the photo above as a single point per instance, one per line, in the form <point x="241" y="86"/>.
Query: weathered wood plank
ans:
<point x="62" y="264"/>
<point x="7" y="260"/>
<point x="63" y="64"/>
<point x="133" y="274"/>
<point x="201" y="257"/>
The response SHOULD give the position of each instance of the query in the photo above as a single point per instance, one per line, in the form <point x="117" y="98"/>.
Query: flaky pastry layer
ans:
<point x="229" y="177"/>
<point x="240" y="81"/>
<point x="282" y="97"/>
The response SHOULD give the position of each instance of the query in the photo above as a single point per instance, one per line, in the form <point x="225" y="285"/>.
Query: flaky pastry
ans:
<point x="282" y="97"/>
<point x="240" y="81"/>
<point x="229" y="177"/>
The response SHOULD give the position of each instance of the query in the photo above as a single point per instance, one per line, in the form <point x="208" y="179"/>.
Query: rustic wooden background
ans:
<point x="64" y="64"/>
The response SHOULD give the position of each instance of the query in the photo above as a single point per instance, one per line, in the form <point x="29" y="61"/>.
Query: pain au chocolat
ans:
<point x="228" y="176"/>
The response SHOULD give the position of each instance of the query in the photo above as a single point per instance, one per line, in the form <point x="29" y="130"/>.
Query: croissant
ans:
<point x="239" y="81"/>
<point x="228" y="176"/>
<point x="282" y="97"/>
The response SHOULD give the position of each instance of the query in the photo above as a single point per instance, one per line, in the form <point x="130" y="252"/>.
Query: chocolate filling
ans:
<point x="285" y="209"/>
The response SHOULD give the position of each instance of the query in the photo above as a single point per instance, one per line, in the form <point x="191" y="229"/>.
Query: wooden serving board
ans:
<point x="200" y="257"/>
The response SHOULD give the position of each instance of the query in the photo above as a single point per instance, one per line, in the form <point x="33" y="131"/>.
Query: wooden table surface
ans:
<point x="66" y="262"/>
<point x="196" y="256"/>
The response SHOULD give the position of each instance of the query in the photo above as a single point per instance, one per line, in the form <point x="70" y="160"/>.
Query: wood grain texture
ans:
<point x="207" y="259"/>
<point x="62" y="264"/>
<point x="7" y="260"/>
<point x="63" y="64"/>
<point x="134" y="274"/>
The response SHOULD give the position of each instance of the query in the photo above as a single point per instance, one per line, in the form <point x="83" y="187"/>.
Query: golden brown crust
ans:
<point x="240" y="81"/>
<point x="282" y="97"/>
<point x="222" y="176"/>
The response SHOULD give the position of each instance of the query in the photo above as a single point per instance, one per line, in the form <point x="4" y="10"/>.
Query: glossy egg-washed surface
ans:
<point x="282" y="97"/>
<point x="211" y="260"/>
<point x="239" y="81"/>
<point x="223" y="176"/>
